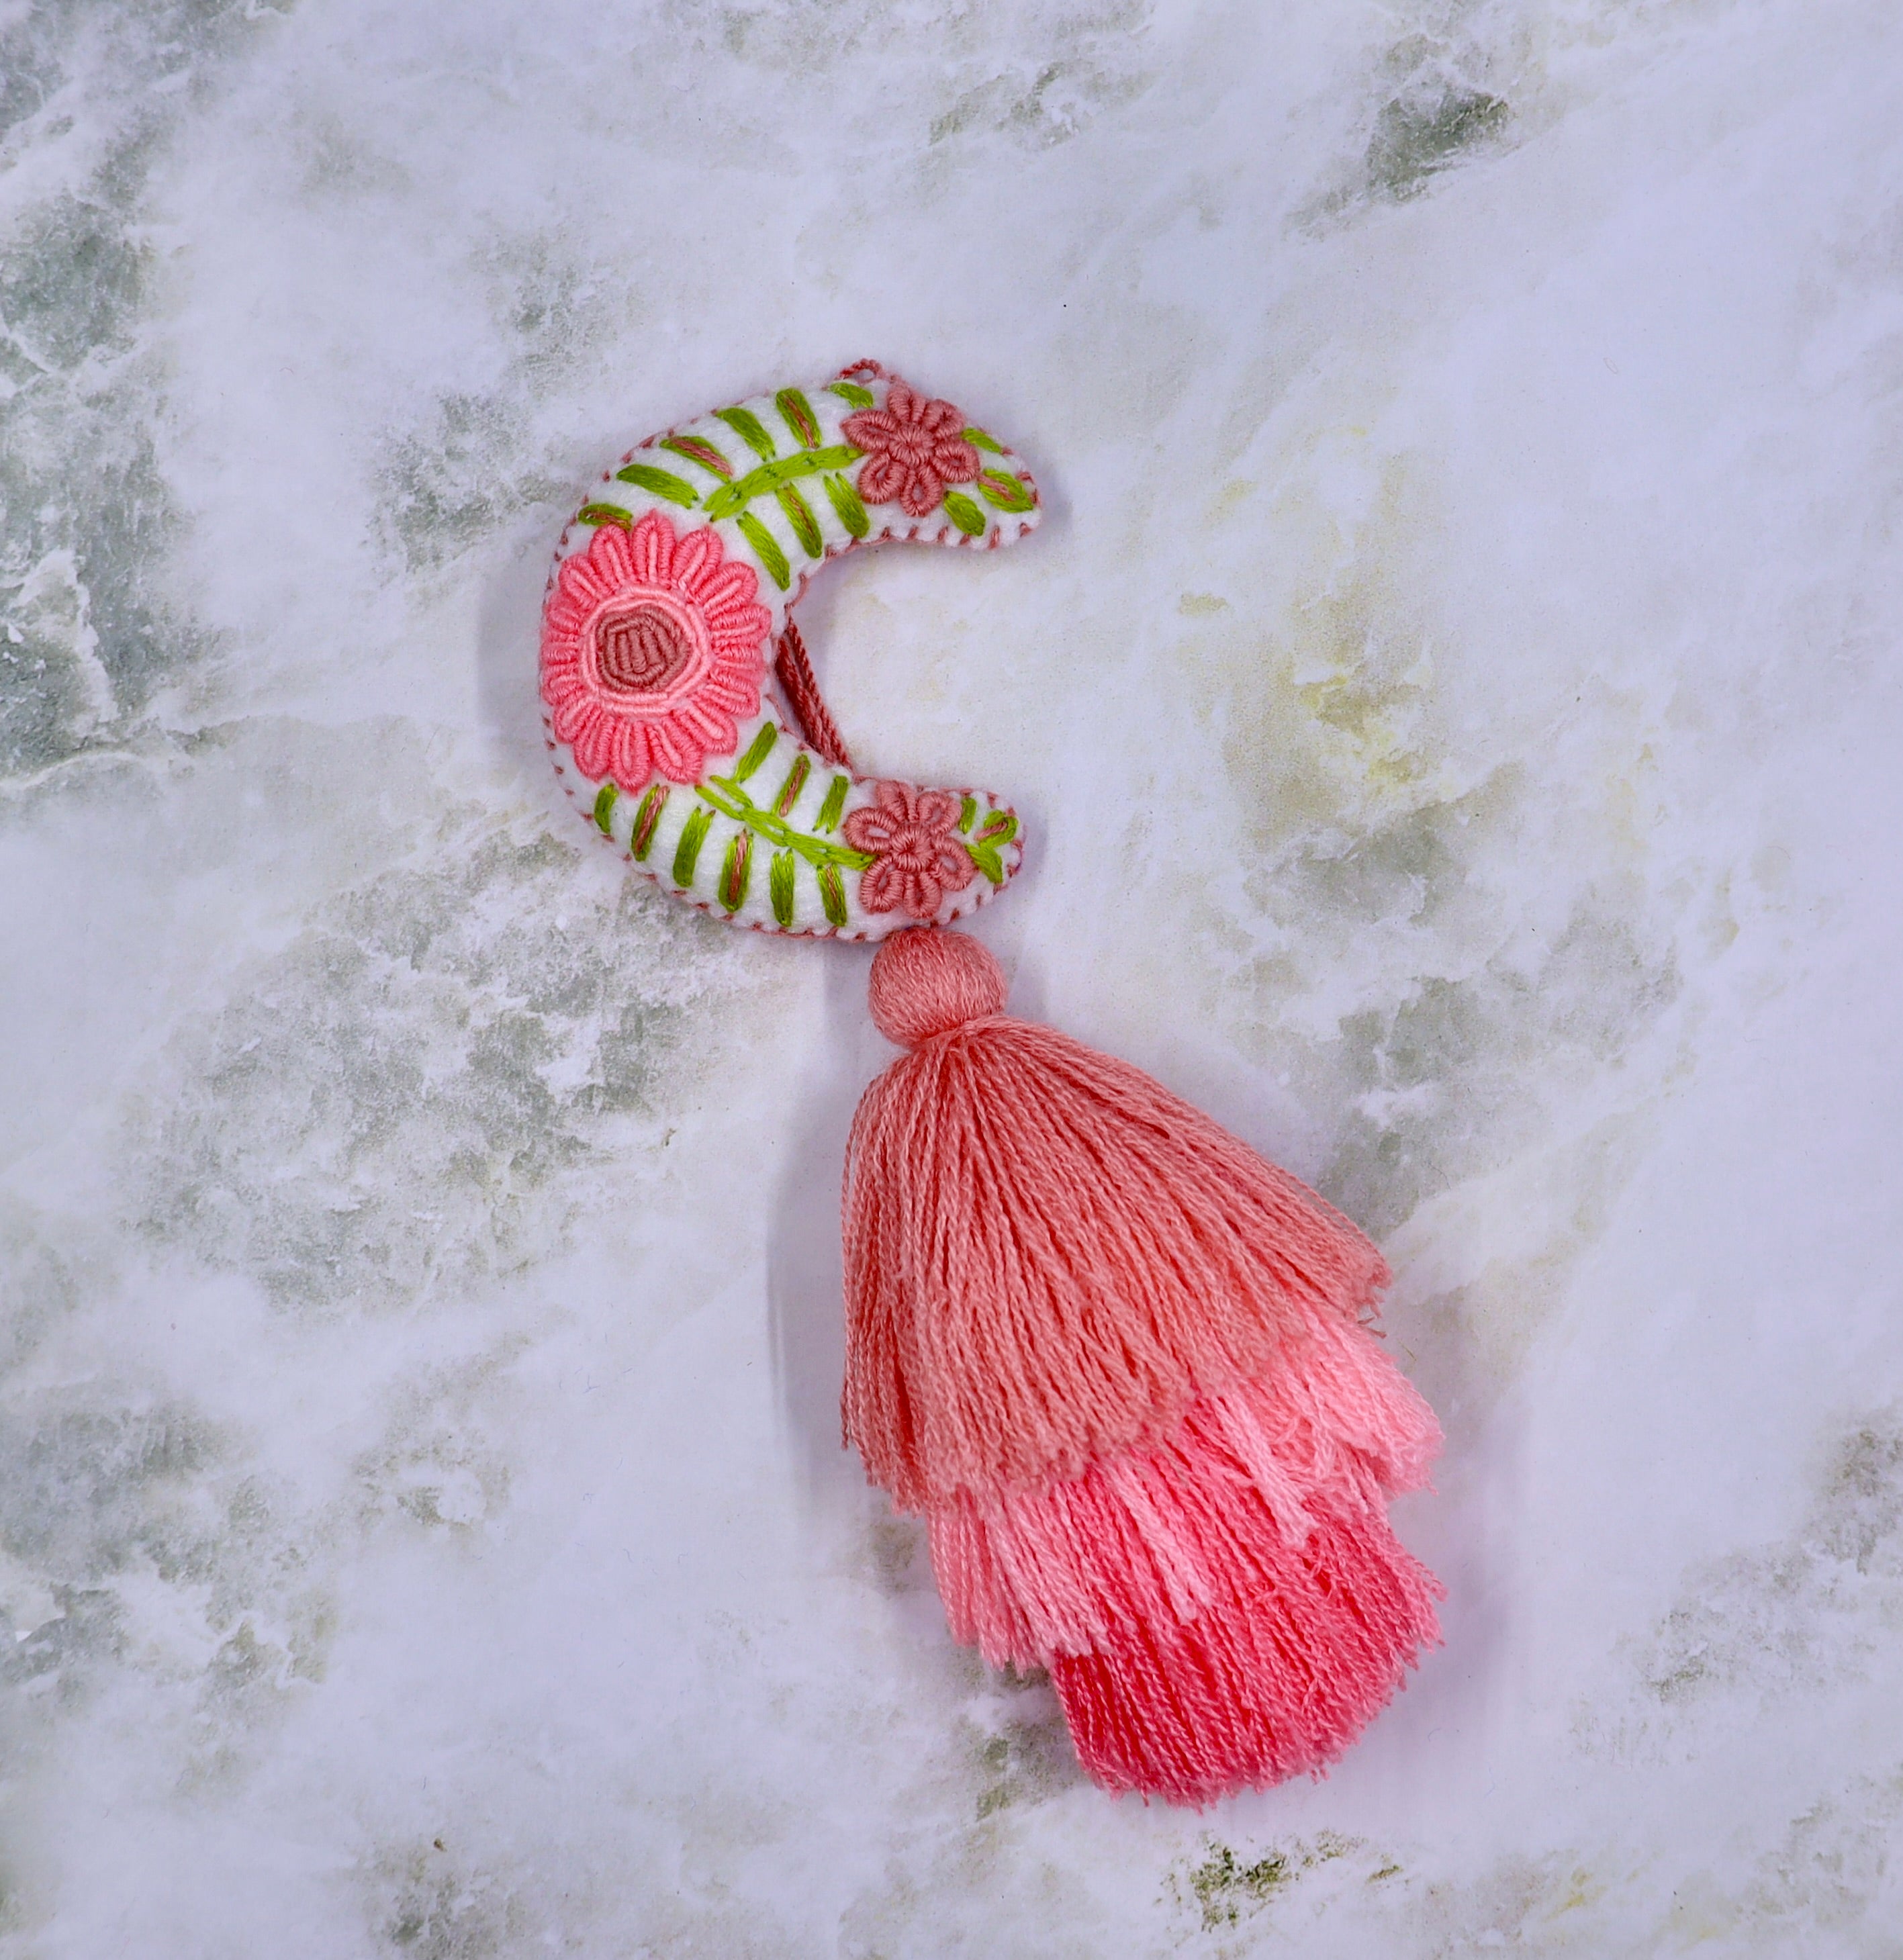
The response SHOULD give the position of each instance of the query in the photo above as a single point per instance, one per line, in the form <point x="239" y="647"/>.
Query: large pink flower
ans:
<point x="916" y="856"/>
<point x="913" y="447"/>
<point x="653" y="652"/>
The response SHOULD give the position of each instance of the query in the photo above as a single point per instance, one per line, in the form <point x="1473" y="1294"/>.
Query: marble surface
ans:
<point x="1455" y="702"/>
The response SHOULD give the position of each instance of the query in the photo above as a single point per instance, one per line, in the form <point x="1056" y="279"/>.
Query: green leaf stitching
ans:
<point x="661" y="483"/>
<point x="605" y="808"/>
<point x="988" y="860"/>
<point x="647" y="820"/>
<point x="795" y="782"/>
<point x="726" y="796"/>
<point x="985" y="850"/>
<point x="1003" y="491"/>
<point x="797" y="412"/>
<point x="799" y="515"/>
<point x="687" y="852"/>
<point x="732" y="497"/>
<point x="734" y="871"/>
<point x="845" y="501"/>
<point x="745" y="424"/>
<point x="981" y="441"/>
<point x="779" y="885"/>
<point x="604" y="514"/>
<point x="757" y="751"/>
<point x="835" y="801"/>
<point x="964" y="513"/>
<point x="763" y="542"/>
<point x="832" y="895"/>
<point x="851" y="391"/>
<point x="698" y="449"/>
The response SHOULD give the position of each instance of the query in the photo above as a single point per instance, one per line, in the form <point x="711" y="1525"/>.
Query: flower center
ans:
<point x="643" y="649"/>
<point x="914" y="847"/>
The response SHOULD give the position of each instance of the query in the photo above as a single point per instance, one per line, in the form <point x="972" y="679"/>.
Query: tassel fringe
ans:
<point x="1116" y="1360"/>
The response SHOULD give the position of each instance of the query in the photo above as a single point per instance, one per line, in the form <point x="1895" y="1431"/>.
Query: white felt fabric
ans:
<point x="728" y="470"/>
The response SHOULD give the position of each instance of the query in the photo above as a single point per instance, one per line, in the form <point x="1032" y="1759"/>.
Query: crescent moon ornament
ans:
<point x="1119" y="1362"/>
<point x="668" y="612"/>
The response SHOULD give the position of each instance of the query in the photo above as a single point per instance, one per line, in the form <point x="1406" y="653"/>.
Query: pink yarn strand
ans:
<point x="1116" y="1359"/>
<point x="1048" y="1257"/>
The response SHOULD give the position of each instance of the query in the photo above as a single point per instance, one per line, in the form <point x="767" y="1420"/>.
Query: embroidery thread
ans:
<point x="667" y="628"/>
<point x="650" y="653"/>
<point x="910" y="838"/>
<point x="915" y="446"/>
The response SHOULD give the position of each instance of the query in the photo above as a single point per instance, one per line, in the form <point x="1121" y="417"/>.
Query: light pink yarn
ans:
<point x="1032" y="1573"/>
<point x="1222" y="1612"/>
<point x="1116" y="1359"/>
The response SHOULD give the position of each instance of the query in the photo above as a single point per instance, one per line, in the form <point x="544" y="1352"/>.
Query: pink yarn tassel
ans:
<point x="1116" y="1360"/>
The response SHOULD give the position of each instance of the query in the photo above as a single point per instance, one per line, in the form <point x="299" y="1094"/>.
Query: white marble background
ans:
<point x="1455" y="697"/>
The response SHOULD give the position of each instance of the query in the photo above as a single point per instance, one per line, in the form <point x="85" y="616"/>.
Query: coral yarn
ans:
<point x="927" y="983"/>
<point x="1116" y="1358"/>
<point x="643" y="651"/>
<point x="793" y="666"/>
<point x="1049" y="1256"/>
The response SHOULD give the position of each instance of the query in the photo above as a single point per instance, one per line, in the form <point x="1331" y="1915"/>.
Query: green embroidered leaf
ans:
<point x="1003" y="492"/>
<point x="986" y="851"/>
<point x="983" y="441"/>
<point x="779" y="885"/>
<point x="731" y="496"/>
<point x="797" y="412"/>
<point x="698" y="449"/>
<point x="687" y="852"/>
<point x="767" y="545"/>
<point x="988" y="860"/>
<point x="795" y="782"/>
<point x="832" y="894"/>
<point x="646" y="819"/>
<point x="757" y="751"/>
<point x="726" y="796"/>
<point x="604" y="514"/>
<point x="661" y="482"/>
<point x="799" y="516"/>
<point x="845" y="501"/>
<point x="734" y="871"/>
<point x="605" y="808"/>
<point x="967" y="809"/>
<point x="851" y="391"/>
<point x="745" y="424"/>
<point x="965" y="515"/>
<point x="835" y="801"/>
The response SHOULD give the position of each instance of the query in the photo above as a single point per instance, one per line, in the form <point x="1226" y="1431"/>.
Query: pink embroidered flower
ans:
<point x="913" y="447"/>
<point x="652" y="653"/>
<point x="916" y="856"/>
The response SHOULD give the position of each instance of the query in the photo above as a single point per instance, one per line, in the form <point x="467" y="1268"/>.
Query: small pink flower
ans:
<point x="653" y="651"/>
<point x="913" y="447"/>
<point x="917" y="858"/>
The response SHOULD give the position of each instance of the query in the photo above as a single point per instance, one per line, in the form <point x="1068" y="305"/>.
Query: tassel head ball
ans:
<point x="927" y="983"/>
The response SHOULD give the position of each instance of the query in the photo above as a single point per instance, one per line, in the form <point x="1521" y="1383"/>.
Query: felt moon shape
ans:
<point x="667" y="619"/>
